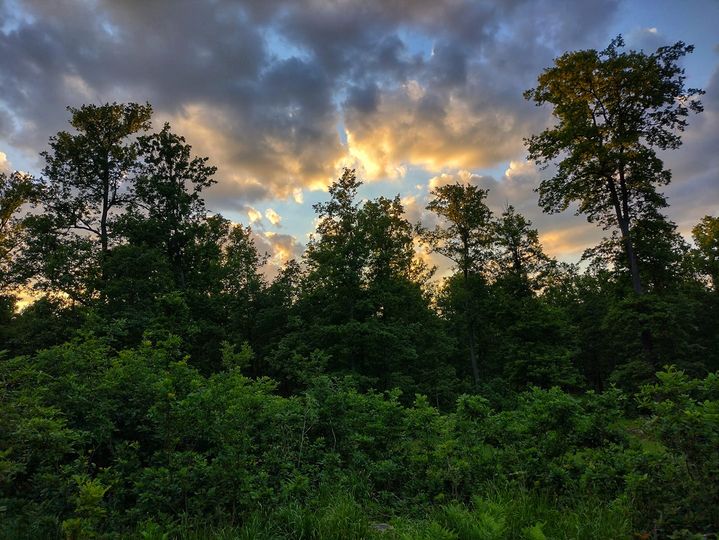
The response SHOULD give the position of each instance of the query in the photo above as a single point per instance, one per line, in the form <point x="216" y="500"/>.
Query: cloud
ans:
<point x="436" y="127"/>
<point x="569" y="242"/>
<point x="279" y="249"/>
<point x="459" y="177"/>
<point x="273" y="217"/>
<point x="297" y="195"/>
<point x="4" y="163"/>
<point x="281" y="94"/>
<point x="694" y="190"/>
<point x="516" y="187"/>
<point x="646" y="38"/>
<point x="253" y="215"/>
<point x="264" y="89"/>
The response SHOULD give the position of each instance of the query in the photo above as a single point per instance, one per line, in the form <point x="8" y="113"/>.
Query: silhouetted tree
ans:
<point x="706" y="239"/>
<point x="518" y="256"/>
<point x="464" y="235"/>
<point x="614" y="110"/>
<point x="86" y="185"/>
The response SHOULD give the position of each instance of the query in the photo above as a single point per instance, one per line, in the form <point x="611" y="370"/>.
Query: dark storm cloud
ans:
<point x="449" y="64"/>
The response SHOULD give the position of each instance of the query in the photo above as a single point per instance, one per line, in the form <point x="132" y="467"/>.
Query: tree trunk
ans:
<point x="105" y="203"/>
<point x="103" y="226"/>
<point x="621" y="209"/>
<point x="631" y="257"/>
<point x="471" y="337"/>
<point x="473" y="354"/>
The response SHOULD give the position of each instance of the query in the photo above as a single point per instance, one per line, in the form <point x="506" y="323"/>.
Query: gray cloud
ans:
<point x="279" y="101"/>
<point x="266" y="88"/>
<point x="694" y="191"/>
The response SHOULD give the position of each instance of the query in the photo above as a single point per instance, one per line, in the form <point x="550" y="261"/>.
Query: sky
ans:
<point x="280" y="95"/>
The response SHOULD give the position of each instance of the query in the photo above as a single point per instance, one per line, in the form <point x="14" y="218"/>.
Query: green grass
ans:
<point x="499" y="514"/>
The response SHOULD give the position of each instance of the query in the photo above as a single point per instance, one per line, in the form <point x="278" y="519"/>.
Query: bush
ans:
<point x="96" y="442"/>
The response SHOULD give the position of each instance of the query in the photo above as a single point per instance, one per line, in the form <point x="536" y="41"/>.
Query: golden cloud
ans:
<point x="4" y="163"/>
<point x="570" y="241"/>
<point x="435" y="132"/>
<point x="273" y="217"/>
<point x="459" y="177"/>
<point x="279" y="248"/>
<point x="253" y="214"/>
<point x="256" y="164"/>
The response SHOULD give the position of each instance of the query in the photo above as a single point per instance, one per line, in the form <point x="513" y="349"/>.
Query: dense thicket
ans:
<point x="162" y="384"/>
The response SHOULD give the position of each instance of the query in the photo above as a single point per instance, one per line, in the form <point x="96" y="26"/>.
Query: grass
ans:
<point x="498" y="514"/>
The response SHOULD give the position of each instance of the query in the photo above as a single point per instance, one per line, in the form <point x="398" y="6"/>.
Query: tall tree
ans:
<point x="242" y="283"/>
<point x="614" y="110"/>
<point x="337" y="251"/>
<point x="464" y="236"/>
<point x="86" y="171"/>
<point x="705" y="259"/>
<point x="706" y="239"/>
<point x="361" y="309"/>
<point x="389" y="239"/>
<point x="86" y="186"/>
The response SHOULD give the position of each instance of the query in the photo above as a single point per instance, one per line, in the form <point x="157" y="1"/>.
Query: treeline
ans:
<point x="121" y="246"/>
<point x="161" y="383"/>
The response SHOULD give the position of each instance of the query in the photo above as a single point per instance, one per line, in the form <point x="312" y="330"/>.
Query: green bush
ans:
<point x="97" y="441"/>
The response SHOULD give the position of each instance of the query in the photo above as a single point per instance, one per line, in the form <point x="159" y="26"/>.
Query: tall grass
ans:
<point x="499" y="513"/>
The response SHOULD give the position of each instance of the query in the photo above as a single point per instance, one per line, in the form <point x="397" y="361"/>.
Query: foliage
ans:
<point x="16" y="190"/>
<point x="170" y="384"/>
<point x="104" y="439"/>
<point x="85" y="187"/>
<point x="706" y="239"/>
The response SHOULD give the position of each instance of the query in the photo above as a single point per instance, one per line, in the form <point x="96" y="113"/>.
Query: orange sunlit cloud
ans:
<point x="570" y="241"/>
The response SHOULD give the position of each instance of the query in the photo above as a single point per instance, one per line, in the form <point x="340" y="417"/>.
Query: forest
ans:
<point x="162" y="385"/>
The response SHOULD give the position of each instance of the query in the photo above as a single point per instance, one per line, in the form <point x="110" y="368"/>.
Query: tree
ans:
<point x="86" y="185"/>
<point x="389" y="238"/>
<point x="532" y="340"/>
<point x="16" y="189"/>
<point x="519" y="255"/>
<point x="335" y="253"/>
<point x="661" y="254"/>
<point x="706" y="253"/>
<point x="614" y="110"/>
<point x="167" y="207"/>
<point x="274" y="314"/>
<point x="361" y="308"/>
<point x="464" y="236"/>
<point x="242" y="285"/>
<point x="335" y="258"/>
<point x="86" y="171"/>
